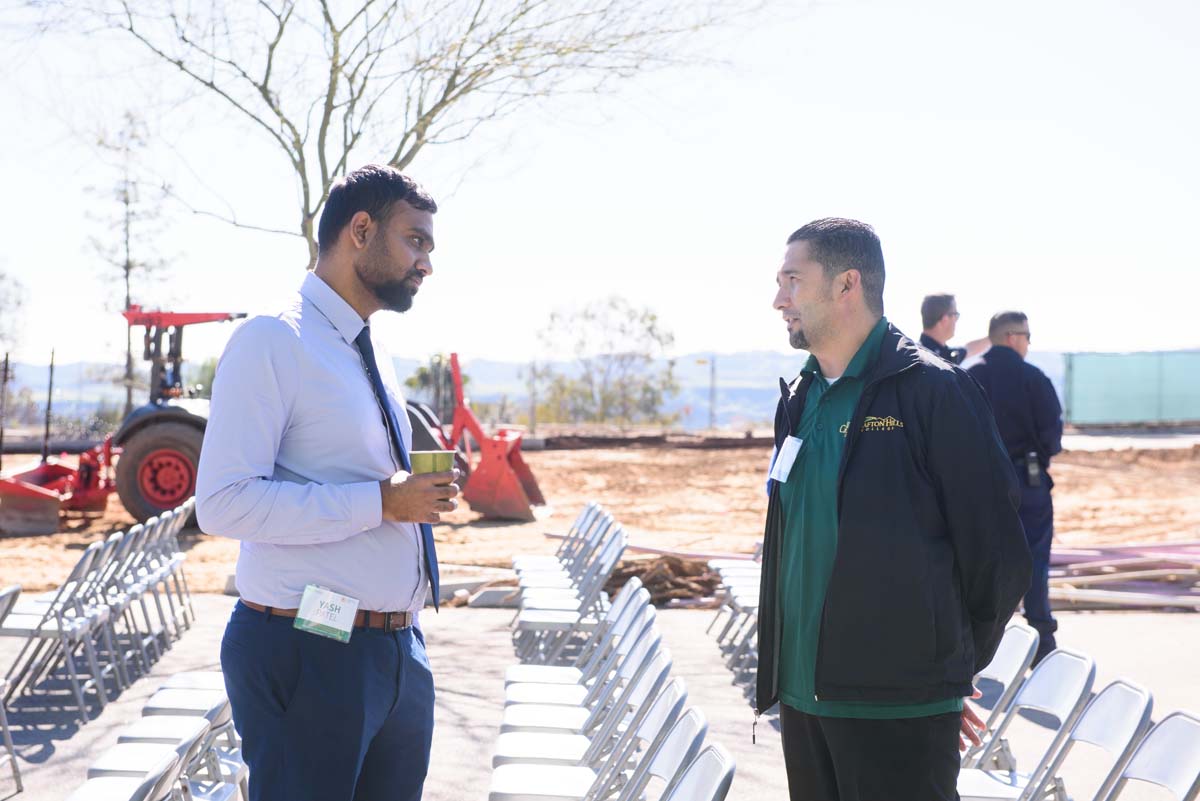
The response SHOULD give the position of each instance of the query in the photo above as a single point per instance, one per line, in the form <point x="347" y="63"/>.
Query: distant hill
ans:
<point x="747" y="384"/>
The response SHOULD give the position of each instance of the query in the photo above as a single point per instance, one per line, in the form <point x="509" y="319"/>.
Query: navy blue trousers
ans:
<point x="1037" y="515"/>
<point x="322" y="720"/>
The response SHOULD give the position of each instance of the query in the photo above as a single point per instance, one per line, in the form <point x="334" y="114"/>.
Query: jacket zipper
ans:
<point x="856" y="419"/>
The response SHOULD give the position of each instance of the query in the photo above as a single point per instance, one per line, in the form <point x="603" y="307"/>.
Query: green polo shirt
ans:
<point x="810" y="529"/>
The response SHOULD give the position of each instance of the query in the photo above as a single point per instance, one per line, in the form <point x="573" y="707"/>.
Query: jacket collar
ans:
<point x="1002" y="353"/>
<point x="897" y="353"/>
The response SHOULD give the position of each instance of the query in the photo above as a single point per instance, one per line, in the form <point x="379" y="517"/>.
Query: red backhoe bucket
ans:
<point x="501" y="486"/>
<point x="27" y="508"/>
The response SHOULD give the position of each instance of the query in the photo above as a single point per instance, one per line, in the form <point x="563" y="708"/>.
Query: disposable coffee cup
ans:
<point x="431" y="461"/>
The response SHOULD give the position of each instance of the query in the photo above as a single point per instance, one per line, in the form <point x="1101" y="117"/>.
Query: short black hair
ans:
<point x="1002" y="323"/>
<point x="373" y="188"/>
<point x="934" y="308"/>
<point x="838" y="245"/>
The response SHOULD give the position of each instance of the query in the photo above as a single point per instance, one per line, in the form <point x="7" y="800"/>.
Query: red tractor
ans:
<point x="160" y="441"/>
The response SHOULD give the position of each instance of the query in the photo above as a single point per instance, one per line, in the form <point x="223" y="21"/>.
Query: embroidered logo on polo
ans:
<point x="872" y="423"/>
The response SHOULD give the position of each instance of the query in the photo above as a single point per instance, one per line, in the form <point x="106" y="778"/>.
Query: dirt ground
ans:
<point x="700" y="501"/>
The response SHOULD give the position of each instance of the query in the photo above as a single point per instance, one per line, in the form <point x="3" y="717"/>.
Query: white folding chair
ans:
<point x="55" y="636"/>
<point x="1114" y="720"/>
<point x="157" y="785"/>
<point x="1168" y="757"/>
<point x="600" y="642"/>
<point x="1003" y="675"/>
<point x="557" y="719"/>
<point x="1058" y="688"/>
<point x="707" y="778"/>
<point x="8" y="597"/>
<point x="585" y="691"/>
<point x="569" y="546"/>
<point x="527" y="782"/>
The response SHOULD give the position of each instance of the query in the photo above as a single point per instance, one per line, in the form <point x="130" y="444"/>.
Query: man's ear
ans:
<point x="361" y="227"/>
<point x="848" y="280"/>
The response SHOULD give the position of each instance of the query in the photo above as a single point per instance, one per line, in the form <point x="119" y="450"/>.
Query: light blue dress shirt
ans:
<point x="293" y="455"/>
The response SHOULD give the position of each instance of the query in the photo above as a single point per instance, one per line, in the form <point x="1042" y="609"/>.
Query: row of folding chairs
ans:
<point x="561" y="597"/>
<point x="737" y="614"/>
<point x="184" y="748"/>
<point x="606" y="720"/>
<point x="125" y="602"/>
<point x="1058" y="690"/>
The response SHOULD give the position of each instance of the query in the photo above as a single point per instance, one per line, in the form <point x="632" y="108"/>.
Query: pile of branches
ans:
<point x="668" y="578"/>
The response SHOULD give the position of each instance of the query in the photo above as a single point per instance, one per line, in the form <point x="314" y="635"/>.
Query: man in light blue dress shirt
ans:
<point x="305" y="461"/>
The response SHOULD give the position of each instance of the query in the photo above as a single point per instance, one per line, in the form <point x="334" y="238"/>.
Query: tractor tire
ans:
<point x="157" y="468"/>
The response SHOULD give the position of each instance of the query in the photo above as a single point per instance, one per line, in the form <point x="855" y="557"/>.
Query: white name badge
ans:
<point x="786" y="458"/>
<point x="326" y="613"/>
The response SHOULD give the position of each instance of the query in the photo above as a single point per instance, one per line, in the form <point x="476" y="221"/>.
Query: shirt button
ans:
<point x="820" y="426"/>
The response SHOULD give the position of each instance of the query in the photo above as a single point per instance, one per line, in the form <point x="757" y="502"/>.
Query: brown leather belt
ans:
<point x="363" y="619"/>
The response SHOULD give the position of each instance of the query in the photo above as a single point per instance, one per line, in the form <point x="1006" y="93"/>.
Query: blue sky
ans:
<point x="1034" y="155"/>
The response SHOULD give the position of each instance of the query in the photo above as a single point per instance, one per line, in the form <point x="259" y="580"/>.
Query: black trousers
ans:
<point x="852" y="759"/>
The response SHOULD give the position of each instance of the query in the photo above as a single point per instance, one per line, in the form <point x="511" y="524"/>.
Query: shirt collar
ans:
<point x="337" y="311"/>
<point x="867" y="354"/>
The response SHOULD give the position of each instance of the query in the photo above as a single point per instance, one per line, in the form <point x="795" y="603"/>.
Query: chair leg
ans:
<point x="89" y="650"/>
<point x="8" y="746"/>
<point x="150" y="628"/>
<point x="73" y="675"/>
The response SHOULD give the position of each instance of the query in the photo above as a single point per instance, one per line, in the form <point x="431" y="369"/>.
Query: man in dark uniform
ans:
<point x="1029" y="417"/>
<point x="939" y="318"/>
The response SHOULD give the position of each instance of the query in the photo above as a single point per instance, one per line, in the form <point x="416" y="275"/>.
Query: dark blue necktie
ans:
<point x="363" y="341"/>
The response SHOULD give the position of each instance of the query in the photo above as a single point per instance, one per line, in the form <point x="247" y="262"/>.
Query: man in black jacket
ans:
<point x="1029" y="418"/>
<point x="893" y="554"/>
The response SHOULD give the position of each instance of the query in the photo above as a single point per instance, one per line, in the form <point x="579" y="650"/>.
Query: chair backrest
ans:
<point x="1114" y="720"/>
<point x="678" y="749"/>
<point x="144" y="553"/>
<point x="707" y="778"/>
<point x="628" y="672"/>
<point x="1012" y="659"/>
<point x="158" y="539"/>
<point x="637" y="618"/>
<point x="579" y="528"/>
<point x="592" y="582"/>
<point x="69" y="591"/>
<point x="1169" y="756"/>
<point x="1002" y="677"/>
<point x="1058" y="687"/>
<point x="652" y="731"/>
<point x="106" y="564"/>
<point x="584" y="552"/>
<point x="639" y="705"/>
<point x="8" y="599"/>
<point x="124" y="554"/>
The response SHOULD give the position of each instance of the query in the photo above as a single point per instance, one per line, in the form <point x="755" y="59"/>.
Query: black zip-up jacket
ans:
<point x="931" y="558"/>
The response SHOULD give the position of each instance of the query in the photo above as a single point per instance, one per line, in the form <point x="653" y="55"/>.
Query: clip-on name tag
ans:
<point x="786" y="458"/>
<point x="326" y="613"/>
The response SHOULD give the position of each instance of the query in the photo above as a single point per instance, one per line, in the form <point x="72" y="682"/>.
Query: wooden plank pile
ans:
<point x="668" y="578"/>
<point x="1146" y="576"/>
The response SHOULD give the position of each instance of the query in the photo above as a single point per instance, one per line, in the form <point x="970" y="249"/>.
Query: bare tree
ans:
<point x="620" y="371"/>
<point x="128" y="233"/>
<point x="12" y="298"/>
<point x="327" y="82"/>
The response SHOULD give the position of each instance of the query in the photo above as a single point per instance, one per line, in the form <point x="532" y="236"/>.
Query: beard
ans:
<point x="798" y="339"/>
<point x="392" y="292"/>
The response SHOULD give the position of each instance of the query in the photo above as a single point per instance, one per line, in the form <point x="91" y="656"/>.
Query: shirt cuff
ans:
<point x="366" y="506"/>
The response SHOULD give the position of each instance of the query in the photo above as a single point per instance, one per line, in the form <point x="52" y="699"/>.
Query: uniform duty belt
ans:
<point x="363" y="619"/>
